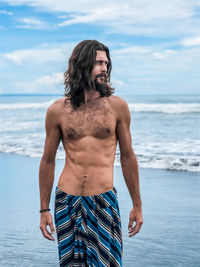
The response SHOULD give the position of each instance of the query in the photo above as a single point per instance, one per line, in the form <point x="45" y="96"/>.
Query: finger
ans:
<point x="134" y="230"/>
<point x="133" y="233"/>
<point x="52" y="227"/>
<point x="131" y="229"/>
<point x="46" y="233"/>
<point x="131" y="220"/>
<point x="50" y="235"/>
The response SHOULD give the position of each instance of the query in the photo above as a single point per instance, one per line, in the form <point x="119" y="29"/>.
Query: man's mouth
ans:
<point x="102" y="76"/>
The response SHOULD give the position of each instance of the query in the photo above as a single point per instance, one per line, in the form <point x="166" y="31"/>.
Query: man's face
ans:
<point x="99" y="71"/>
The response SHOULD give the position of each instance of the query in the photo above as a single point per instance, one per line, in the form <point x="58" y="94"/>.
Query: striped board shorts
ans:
<point x="88" y="229"/>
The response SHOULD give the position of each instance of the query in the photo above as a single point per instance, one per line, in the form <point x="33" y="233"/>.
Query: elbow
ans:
<point x="127" y="157"/>
<point x="48" y="159"/>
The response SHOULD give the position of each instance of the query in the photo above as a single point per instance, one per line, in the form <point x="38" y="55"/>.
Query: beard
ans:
<point x="101" y="86"/>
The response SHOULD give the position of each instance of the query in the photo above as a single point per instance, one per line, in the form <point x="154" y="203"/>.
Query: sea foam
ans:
<point x="165" y="107"/>
<point x="134" y="107"/>
<point x="39" y="105"/>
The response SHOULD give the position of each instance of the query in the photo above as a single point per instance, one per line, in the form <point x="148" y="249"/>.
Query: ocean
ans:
<point x="165" y="129"/>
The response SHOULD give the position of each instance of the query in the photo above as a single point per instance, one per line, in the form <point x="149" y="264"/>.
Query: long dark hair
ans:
<point x="77" y="78"/>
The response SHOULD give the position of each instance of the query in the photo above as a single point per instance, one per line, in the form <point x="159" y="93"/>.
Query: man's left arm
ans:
<point x="129" y="167"/>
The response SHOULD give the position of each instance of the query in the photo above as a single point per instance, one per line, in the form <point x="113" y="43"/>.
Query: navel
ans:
<point x="83" y="184"/>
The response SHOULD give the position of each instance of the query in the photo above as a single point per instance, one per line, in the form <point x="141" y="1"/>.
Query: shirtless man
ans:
<point x="89" y="120"/>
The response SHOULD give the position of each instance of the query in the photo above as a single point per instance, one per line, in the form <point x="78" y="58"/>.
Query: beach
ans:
<point x="169" y="235"/>
<point x="97" y="81"/>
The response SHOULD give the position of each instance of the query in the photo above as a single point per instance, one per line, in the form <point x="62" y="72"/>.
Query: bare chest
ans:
<point x="97" y="120"/>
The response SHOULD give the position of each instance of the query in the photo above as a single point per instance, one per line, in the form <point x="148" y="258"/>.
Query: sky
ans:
<point x="154" y="45"/>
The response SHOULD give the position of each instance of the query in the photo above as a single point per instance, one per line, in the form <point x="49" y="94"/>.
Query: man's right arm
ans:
<point x="129" y="166"/>
<point x="47" y="168"/>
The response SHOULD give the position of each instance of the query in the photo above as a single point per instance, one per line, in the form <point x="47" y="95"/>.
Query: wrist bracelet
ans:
<point x="44" y="210"/>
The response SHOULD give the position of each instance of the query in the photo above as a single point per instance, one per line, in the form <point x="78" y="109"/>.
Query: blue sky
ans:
<point x="154" y="45"/>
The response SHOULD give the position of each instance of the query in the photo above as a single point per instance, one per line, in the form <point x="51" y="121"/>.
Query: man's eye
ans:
<point x="100" y="62"/>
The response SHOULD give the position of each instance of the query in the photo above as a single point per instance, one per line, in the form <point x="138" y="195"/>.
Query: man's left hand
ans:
<point x="135" y="216"/>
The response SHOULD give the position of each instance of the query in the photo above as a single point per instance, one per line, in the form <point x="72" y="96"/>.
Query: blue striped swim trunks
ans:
<point x="88" y="229"/>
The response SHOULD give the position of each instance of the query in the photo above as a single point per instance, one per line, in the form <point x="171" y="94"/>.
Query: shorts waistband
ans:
<point x="113" y="190"/>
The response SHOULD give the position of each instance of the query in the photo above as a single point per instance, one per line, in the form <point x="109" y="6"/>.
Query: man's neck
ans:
<point x="91" y="95"/>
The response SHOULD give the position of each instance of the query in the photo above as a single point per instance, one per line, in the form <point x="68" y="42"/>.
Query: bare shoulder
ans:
<point x="55" y="110"/>
<point x="56" y="106"/>
<point x="119" y="105"/>
<point x="118" y="101"/>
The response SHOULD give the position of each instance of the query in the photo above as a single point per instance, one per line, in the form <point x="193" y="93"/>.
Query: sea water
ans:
<point x="165" y="129"/>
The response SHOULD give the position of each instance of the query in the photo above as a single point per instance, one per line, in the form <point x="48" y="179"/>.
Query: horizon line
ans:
<point x="45" y="94"/>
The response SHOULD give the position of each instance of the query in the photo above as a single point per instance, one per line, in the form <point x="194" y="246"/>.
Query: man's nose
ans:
<point x="104" y="67"/>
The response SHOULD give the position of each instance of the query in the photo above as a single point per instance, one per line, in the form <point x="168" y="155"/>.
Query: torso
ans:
<point x="89" y="140"/>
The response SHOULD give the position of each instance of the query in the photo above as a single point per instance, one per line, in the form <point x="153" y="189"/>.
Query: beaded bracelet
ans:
<point x="44" y="210"/>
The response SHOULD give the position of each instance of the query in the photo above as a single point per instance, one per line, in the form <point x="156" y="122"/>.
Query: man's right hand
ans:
<point x="46" y="219"/>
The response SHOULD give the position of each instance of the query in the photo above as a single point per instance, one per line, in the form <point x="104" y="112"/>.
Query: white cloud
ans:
<point x="40" y="55"/>
<point x="159" y="70"/>
<point x="130" y="13"/>
<point x="101" y="15"/>
<point x="117" y="83"/>
<point x="151" y="9"/>
<point x="6" y="12"/>
<point x="194" y="41"/>
<point x="135" y="17"/>
<point x="164" y="54"/>
<point x="50" y="83"/>
<point x="130" y="50"/>
<point x="32" y="23"/>
<point x="142" y="18"/>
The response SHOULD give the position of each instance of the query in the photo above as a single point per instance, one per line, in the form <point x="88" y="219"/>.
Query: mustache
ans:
<point x="103" y="74"/>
